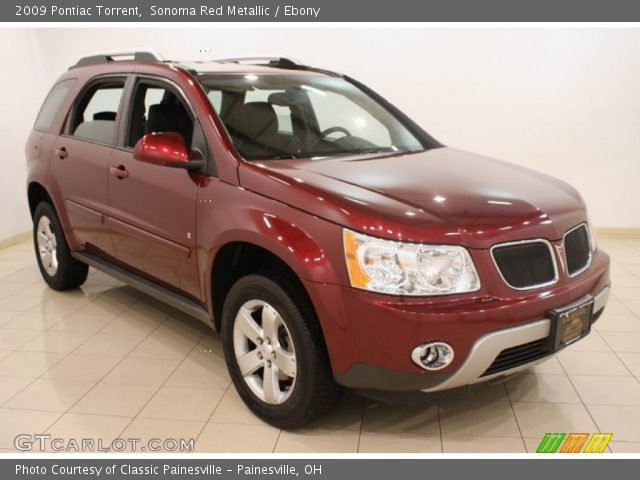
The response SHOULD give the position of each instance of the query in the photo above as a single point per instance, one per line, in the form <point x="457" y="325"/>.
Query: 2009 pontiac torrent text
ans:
<point x="328" y="237"/>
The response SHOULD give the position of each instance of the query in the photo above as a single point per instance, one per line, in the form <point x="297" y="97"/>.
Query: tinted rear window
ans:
<point x="52" y="104"/>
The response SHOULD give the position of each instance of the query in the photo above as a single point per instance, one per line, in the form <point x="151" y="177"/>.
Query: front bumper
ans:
<point x="370" y="337"/>
<point x="484" y="352"/>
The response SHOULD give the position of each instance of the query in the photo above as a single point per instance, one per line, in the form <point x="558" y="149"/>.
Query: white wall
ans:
<point x="565" y="101"/>
<point x="22" y="89"/>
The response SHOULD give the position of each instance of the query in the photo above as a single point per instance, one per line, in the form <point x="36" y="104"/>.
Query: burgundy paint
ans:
<point x="161" y="148"/>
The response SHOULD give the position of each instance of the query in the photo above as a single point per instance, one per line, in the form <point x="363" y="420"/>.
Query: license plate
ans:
<point x="571" y="323"/>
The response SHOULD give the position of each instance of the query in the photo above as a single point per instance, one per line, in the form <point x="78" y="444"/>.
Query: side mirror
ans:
<point x="166" y="149"/>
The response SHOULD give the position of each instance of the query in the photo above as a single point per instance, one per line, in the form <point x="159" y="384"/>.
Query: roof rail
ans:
<point x="108" y="57"/>
<point x="275" y="61"/>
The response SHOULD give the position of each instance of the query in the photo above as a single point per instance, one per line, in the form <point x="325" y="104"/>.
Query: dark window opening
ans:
<point x="158" y="109"/>
<point x="97" y="111"/>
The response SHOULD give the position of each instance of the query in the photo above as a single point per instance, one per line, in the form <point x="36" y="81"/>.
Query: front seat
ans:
<point x="258" y="121"/>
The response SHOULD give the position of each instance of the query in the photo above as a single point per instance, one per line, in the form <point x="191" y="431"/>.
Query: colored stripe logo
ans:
<point x="574" y="443"/>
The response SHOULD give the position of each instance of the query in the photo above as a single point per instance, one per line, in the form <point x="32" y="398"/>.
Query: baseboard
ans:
<point x="618" y="232"/>
<point x="21" y="237"/>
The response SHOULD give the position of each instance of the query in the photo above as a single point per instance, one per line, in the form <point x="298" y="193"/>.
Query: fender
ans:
<point x="286" y="240"/>
<point x="58" y="204"/>
<point x="228" y="213"/>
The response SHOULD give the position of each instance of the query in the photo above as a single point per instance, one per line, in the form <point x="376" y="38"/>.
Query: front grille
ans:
<point x="525" y="265"/>
<point x="518" y="355"/>
<point x="577" y="248"/>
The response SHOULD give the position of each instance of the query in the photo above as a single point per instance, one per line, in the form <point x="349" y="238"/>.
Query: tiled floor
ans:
<point x="108" y="362"/>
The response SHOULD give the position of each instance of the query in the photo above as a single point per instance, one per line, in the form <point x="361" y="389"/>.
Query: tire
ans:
<point x="294" y="401"/>
<point x="58" y="268"/>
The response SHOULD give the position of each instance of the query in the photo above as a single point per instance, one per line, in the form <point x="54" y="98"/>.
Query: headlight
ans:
<point x="399" y="268"/>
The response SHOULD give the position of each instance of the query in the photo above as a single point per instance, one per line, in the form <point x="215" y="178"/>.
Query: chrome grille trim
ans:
<point x="523" y="242"/>
<point x="564" y="248"/>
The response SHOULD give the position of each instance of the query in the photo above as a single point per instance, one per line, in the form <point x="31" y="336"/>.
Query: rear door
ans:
<point x="153" y="208"/>
<point x="81" y="160"/>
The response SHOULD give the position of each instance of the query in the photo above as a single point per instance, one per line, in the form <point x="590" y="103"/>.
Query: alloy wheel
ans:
<point x="47" y="246"/>
<point x="264" y="352"/>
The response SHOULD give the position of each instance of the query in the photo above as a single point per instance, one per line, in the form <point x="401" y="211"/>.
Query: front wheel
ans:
<point x="275" y="351"/>
<point x="58" y="268"/>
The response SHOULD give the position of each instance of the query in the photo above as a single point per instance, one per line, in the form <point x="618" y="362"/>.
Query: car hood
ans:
<point x="432" y="195"/>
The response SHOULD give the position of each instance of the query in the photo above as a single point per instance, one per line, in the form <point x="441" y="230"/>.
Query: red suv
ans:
<point x="329" y="238"/>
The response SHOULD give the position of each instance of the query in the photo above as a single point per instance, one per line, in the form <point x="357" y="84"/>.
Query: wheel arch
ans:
<point x="37" y="193"/>
<point x="237" y="259"/>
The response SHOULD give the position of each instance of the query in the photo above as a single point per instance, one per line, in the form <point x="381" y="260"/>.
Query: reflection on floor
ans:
<point x="108" y="362"/>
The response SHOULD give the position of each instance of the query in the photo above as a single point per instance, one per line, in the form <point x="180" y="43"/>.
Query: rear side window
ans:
<point x="52" y="105"/>
<point x="96" y="112"/>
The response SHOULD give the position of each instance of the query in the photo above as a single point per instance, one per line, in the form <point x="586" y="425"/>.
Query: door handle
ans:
<point x="120" y="171"/>
<point x="62" y="153"/>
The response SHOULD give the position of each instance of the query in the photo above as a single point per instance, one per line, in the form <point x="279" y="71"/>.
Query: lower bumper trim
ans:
<point x="369" y="377"/>
<point x="477" y="366"/>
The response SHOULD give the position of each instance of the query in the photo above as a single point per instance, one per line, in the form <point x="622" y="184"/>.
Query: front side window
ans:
<point x="303" y="116"/>
<point x="157" y="109"/>
<point x="97" y="111"/>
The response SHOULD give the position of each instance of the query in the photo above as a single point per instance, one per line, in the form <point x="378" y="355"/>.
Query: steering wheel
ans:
<point x="331" y="130"/>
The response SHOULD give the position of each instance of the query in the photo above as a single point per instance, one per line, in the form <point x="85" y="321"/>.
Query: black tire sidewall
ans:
<point x="300" y="403"/>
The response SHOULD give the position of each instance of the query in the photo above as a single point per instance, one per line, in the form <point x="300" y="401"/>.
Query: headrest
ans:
<point x="111" y="116"/>
<point x="259" y="118"/>
<point x="168" y="118"/>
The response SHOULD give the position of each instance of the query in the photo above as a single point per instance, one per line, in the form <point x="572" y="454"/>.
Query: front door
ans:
<point x="153" y="208"/>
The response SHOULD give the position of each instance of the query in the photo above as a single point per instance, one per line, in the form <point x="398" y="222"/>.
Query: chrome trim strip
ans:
<point x="522" y="242"/>
<point x="488" y="347"/>
<point x="586" y="267"/>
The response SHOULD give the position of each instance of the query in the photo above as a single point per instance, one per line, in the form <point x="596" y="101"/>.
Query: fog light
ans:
<point x="432" y="356"/>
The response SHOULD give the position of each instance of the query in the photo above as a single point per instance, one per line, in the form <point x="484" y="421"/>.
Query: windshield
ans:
<point x="302" y="116"/>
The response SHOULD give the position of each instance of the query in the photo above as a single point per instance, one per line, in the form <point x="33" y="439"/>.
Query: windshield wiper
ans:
<point x="375" y="150"/>
<point x="336" y="153"/>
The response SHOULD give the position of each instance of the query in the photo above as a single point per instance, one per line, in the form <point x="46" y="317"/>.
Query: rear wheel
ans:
<point x="275" y="351"/>
<point x="58" y="268"/>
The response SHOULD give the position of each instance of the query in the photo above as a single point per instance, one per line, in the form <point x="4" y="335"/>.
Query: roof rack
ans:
<point x="274" y="61"/>
<point x="108" y="57"/>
